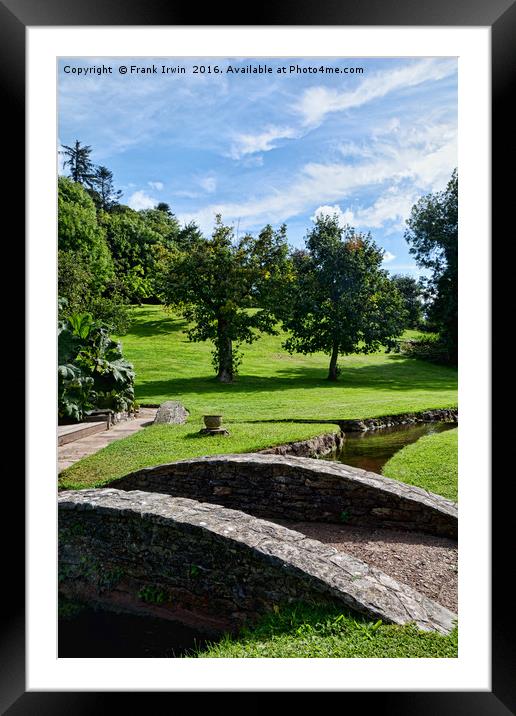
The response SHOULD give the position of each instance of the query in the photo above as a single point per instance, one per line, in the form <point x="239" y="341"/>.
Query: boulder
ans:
<point x="171" y="412"/>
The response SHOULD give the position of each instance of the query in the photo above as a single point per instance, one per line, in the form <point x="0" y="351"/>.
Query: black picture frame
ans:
<point x="500" y="16"/>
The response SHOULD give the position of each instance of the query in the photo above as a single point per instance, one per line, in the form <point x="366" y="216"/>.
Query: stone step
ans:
<point x="70" y="433"/>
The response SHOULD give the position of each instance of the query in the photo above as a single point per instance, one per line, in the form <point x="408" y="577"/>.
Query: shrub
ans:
<point x="431" y="348"/>
<point x="92" y="371"/>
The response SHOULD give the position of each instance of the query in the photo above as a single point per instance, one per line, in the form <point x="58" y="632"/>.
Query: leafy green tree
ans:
<point x="79" y="232"/>
<point x="226" y="288"/>
<point x="341" y="301"/>
<point x="411" y="291"/>
<point x="103" y="191"/>
<point x="78" y="160"/>
<point x="163" y="223"/>
<point x="162" y="206"/>
<point x="86" y="273"/>
<point x="132" y="240"/>
<point x="433" y="237"/>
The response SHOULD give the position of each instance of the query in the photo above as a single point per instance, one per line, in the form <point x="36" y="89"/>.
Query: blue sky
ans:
<point x="271" y="148"/>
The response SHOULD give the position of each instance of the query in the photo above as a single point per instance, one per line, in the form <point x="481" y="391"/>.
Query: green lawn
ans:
<point x="431" y="463"/>
<point x="159" y="444"/>
<point x="309" y="631"/>
<point x="272" y="386"/>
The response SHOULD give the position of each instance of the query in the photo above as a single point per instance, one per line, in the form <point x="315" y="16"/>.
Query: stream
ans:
<point x="370" y="450"/>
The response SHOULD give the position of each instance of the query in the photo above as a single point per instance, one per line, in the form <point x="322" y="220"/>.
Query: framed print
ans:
<point x="264" y="136"/>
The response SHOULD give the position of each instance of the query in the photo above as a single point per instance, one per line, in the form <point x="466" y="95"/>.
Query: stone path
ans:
<point x="427" y="563"/>
<point x="74" y="451"/>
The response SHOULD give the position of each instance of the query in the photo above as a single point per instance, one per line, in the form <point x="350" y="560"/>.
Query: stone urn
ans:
<point x="212" y="422"/>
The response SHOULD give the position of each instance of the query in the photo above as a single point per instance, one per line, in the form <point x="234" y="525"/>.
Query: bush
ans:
<point x="431" y="348"/>
<point x="92" y="371"/>
<point x="77" y="286"/>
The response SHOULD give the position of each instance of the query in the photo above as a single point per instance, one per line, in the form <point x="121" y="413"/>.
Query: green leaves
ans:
<point x="227" y="288"/>
<point x="341" y="300"/>
<point x="92" y="371"/>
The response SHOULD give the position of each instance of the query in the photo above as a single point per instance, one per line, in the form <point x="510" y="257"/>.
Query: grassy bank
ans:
<point x="430" y="463"/>
<point x="165" y="443"/>
<point x="310" y="631"/>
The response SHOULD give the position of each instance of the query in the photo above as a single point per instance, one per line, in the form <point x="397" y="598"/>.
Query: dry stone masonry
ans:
<point x="300" y="489"/>
<point x="211" y="566"/>
<point x="447" y="415"/>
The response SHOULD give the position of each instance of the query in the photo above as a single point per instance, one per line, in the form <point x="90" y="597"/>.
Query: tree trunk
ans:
<point x="332" y="373"/>
<point x="225" y="350"/>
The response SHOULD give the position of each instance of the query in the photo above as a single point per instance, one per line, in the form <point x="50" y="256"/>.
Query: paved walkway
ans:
<point x="71" y="452"/>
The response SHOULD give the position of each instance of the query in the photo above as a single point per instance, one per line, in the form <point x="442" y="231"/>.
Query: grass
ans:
<point x="272" y="386"/>
<point x="165" y="443"/>
<point x="306" y="631"/>
<point x="431" y="463"/>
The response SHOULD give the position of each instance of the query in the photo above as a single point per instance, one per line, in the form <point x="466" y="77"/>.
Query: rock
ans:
<point x="171" y="412"/>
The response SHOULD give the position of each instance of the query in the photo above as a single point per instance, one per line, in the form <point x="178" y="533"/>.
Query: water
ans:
<point x="371" y="449"/>
<point x="97" y="634"/>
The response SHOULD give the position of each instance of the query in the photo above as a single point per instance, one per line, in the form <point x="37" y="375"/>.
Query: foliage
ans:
<point x="433" y="237"/>
<point x="133" y="237"/>
<point x="80" y="233"/>
<point x="214" y="281"/>
<point x="103" y="192"/>
<point x="309" y="630"/>
<point x="79" y="161"/>
<point x="92" y="372"/>
<point x="429" y="347"/>
<point x="411" y="291"/>
<point x="341" y="301"/>
<point x="431" y="463"/>
<point x="81" y="293"/>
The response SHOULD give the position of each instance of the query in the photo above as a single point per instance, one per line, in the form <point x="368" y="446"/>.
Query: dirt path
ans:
<point x="74" y="451"/>
<point x="429" y="564"/>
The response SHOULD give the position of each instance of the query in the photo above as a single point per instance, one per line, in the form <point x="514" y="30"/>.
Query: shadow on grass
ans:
<point x="145" y="327"/>
<point x="398" y="374"/>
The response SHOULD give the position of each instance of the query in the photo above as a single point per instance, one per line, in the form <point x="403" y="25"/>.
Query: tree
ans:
<point x="103" y="192"/>
<point x="411" y="291"/>
<point x="433" y="237"/>
<point x="78" y="159"/>
<point x="134" y="238"/>
<point x="226" y="289"/>
<point x="86" y="274"/>
<point x="341" y="301"/>
<point x="79" y="232"/>
<point x="162" y="206"/>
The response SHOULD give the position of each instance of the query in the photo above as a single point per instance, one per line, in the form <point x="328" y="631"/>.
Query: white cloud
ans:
<point x="344" y="217"/>
<point x="245" y="144"/>
<point x="208" y="183"/>
<point x="387" y="257"/>
<point x="392" y="207"/>
<point x="140" y="200"/>
<point x="157" y="185"/>
<point x="317" y="102"/>
<point x="405" y="165"/>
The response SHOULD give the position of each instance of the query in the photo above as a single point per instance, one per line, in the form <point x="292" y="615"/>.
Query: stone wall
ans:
<point x="446" y="415"/>
<point x="319" y="446"/>
<point x="300" y="489"/>
<point x="213" y="567"/>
